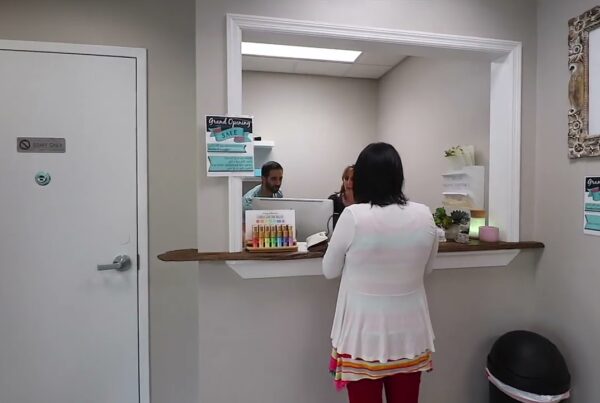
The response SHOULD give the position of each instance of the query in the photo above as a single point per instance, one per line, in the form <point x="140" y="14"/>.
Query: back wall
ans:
<point x="319" y="125"/>
<point x="427" y="105"/>
<point x="245" y="320"/>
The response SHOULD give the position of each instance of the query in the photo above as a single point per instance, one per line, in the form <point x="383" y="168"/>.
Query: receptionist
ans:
<point x="345" y="196"/>
<point x="271" y="177"/>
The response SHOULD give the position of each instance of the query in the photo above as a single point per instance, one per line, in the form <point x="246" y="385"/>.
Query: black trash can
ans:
<point x="528" y="362"/>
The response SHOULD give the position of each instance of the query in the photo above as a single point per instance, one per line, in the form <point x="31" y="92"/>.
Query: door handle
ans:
<point x="120" y="263"/>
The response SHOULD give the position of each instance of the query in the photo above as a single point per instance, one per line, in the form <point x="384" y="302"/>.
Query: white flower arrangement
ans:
<point x="453" y="151"/>
<point x="460" y="156"/>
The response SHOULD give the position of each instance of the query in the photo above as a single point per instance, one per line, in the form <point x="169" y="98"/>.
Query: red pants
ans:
<point x="400" y="388"/>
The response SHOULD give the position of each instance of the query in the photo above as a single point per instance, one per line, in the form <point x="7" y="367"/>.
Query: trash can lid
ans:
<point x="529" y="362"/>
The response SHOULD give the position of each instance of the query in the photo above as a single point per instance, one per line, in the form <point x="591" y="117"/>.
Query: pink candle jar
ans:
<point x="489" y="234"/>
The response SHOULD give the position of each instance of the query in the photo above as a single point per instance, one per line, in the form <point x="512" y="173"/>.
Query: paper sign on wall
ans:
<point x="591" y="206"/>
<point x="229" y="146"/>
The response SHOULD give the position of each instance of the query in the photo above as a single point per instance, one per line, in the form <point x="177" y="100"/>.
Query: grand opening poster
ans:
<point x="591" y="206"/>
<point x="229" y="146"/>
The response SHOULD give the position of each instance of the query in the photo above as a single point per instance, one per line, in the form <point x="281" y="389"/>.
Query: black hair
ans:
<point x="268" y="167"/>
<point x="378" y="176"/>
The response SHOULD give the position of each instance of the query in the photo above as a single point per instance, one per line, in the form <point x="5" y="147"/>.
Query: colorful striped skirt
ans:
<point x="346" y="369"/>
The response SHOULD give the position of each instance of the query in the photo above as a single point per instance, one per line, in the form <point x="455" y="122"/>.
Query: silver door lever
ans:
<point x="120" y="263"/>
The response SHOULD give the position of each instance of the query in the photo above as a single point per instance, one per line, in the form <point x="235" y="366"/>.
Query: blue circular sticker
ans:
<point x="42" y="178"/>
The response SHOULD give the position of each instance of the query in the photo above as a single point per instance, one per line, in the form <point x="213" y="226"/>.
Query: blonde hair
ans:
<point x="345" y="174"/>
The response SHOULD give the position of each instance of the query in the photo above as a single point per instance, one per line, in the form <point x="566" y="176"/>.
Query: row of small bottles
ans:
<point x="272" y="236"/>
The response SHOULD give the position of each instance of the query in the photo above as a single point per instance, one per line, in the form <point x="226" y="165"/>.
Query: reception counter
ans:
<point x="262" y="265"/>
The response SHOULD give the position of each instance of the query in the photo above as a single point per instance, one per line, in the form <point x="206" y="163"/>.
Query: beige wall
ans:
<point x="512" y="20"/>
<point x="242" y="326"/>
<point x="250" y="322"/>
<point x="319" y="125"/>
<point x="568" y="274"/>
<point x="428" y="105"/>
<point x="166" y="29"/>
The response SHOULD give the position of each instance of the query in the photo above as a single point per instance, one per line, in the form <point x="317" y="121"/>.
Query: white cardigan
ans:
<point x="382" y="254"/>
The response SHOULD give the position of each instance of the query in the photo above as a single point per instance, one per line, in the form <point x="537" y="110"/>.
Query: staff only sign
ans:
<point x="229" y="146"/>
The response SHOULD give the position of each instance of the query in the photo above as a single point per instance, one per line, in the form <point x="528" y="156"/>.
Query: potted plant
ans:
<point x="454" y="156"/>
<point x="460" y="220"/>
<point x="453" y="223"/>
<point x="442" y="219"/>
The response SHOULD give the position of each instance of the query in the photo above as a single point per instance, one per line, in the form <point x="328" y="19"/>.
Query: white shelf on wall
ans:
<point x="464" y="188"/>
<point x="262" y="150"/>
<point x="454" y="173"/>
<point x="264" y="144"/>
<point x="455" y="193"/>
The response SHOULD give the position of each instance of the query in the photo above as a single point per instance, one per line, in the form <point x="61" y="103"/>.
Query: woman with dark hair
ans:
<point x="382" y="247"/>
<point x="345" y="197"/>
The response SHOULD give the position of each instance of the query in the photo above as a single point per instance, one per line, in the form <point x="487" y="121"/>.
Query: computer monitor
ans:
<point x="312" y="215"/>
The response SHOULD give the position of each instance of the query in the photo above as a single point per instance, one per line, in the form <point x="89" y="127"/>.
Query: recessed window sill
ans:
<point x="451" y="255"/>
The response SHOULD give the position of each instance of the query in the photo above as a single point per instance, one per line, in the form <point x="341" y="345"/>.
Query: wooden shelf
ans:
<point x="192" y="255"/>
<point x="475" y="246"/>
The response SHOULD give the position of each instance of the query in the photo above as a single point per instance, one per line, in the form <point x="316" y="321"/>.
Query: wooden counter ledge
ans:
<point x="188" y="255"/>
<point x="474" y="245"/>
<point x="191" y="255"/>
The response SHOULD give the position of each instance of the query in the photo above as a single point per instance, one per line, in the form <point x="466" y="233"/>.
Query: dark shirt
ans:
<point x="338" y="206"/>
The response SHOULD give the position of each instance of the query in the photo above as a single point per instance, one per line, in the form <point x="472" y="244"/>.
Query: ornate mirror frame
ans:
<point x="581" y="142"/>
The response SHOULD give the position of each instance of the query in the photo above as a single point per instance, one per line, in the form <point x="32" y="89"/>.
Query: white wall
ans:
<point x="511" y="20"/>
<point x="166" y="29"/>
<point x="319" y="125"/>
<point x="239" y="323"/>
<point x="242" y="321"/>
<point x="568" y="275"/>
<point x="248" y="319"/>
<point x="429" y="105"/>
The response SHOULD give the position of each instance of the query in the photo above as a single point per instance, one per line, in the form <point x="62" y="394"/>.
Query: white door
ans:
<point x="68" y="331"/>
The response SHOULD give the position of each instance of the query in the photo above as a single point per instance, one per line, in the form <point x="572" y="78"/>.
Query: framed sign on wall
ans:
<point x="229" y="146"/>
<point x="591" y="206"/>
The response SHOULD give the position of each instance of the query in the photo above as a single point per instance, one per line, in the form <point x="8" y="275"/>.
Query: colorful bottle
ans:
<point x="285" y="235"/>
<point x="279" y="236"/>
<point x="261" y="236"/>
<point x="273" y="236"/>
<point x="255" y="236"/>
<point x="291" y="240"/>
<point x="267" y="236"/>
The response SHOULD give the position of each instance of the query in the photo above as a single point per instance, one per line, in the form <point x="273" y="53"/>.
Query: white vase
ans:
<point x="452" y="231"/>
<point x="455" y="162"/>
<point x="441" y="235"/>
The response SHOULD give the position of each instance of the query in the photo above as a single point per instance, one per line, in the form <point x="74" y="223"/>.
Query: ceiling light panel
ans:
<point x="299" y="52"/>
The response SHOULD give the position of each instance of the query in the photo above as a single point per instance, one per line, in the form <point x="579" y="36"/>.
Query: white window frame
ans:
<point x="505" y="116"/>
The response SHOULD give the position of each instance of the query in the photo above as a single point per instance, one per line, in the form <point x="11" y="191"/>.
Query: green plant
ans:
<point x="442" y="219"/>
<point x="459" y="217"/>
<point x="452" y="151"/>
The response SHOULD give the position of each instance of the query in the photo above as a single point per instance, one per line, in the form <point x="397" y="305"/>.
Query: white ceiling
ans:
<point x="376" y="59"/>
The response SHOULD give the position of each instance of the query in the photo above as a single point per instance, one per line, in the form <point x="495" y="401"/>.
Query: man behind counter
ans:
<point x="271" y="177"/>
